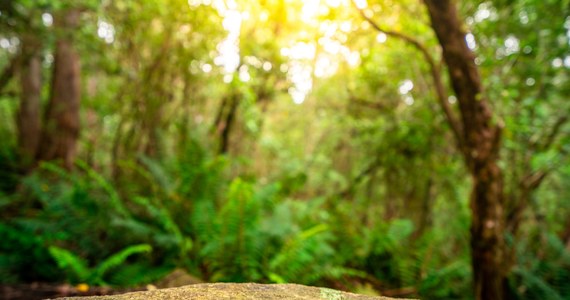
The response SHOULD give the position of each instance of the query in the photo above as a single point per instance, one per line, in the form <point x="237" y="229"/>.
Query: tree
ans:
<point x="29" y="115"/>
<point x="477" y="137"/>
<point x="479" y="143"/>
<point x="27" y="63"/>
<point x="61" y="123"/>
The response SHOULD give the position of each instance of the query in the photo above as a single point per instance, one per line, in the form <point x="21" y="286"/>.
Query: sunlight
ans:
<point x="300" y="51"/>
<point x="333" y="3"/>
<point x="325" y="67"/>
<point x="244" y="73"/>
<point x="4" y="43"/>
<point x="470" y="39"/>
<point x="304" y="62"/>
<point x="485" y="11"/>
<point x="106" y="31"/>
<point x="361" y="4"/>
<point x="47" y="19"/>
<point x="207" y="68"/>
<point x="406" y="86"/>
<point x="381" y="38"/>
<point x="310" y="10"/>
<point x="301" y="76"/>
<point x="228" y="49"/>
<point x="511" y="45"/>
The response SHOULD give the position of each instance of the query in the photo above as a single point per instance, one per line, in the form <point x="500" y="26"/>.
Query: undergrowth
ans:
<point x="81" y="228"/>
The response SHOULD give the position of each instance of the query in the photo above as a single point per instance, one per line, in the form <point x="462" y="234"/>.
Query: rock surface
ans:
<point x="214" y="291"/>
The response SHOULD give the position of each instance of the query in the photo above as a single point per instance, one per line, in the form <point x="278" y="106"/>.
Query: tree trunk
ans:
<point x="29" y="118"/>
<point x="480" y="147"/>
<point x="224" y="122"/>
<point x="228" y="124"/>
<point x="61" y="123"/>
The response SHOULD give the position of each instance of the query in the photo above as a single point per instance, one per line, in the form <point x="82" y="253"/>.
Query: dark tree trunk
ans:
<point x="61" y="123"/>
<point x="228" y="124"/>
<point x="29" y="118"/>
<point x="224" y="122"/>
<point x="480" y="147"/>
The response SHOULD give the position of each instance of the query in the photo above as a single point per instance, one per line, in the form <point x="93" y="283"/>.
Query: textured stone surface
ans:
<point x="214" y="291"/>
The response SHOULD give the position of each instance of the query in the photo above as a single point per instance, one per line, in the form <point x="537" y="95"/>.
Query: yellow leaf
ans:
<point x="82" y="287"/>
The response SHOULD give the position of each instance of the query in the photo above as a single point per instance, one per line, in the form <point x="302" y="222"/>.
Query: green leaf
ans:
<point x="70" y="262"/>
<point x="118" y="259"/>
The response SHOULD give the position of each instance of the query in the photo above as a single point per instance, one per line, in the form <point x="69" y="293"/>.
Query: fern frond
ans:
<point x="114" y="198"/>
<point x="68" y="261"/>
<point x="117" y="259"/>
<point x="158" y="173"/>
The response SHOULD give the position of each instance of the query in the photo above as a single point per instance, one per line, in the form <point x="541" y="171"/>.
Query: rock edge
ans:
<point x="238" y="291"/>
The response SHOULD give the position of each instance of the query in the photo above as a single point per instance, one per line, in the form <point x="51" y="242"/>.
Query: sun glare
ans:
<point x="318" y="58"/>
<point x="361" y="4"/>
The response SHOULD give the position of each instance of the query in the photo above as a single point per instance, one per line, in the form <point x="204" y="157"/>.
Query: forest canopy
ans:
<point x="400" y="148"/>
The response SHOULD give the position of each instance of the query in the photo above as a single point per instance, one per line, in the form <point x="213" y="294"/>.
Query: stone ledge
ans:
<point x="238" y="291"/>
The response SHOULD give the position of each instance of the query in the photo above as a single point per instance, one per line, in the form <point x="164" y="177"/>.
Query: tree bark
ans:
<point x="228" y="125"/>
<point x="480" y="148"/>
<point x="61" y="123"/>
<point x="225" y="121"/>
<point x="29" y="118"/>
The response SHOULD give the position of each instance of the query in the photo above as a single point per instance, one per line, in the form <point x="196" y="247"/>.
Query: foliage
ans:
<point x="339" y="170"/>
<point x="79" y="271"/>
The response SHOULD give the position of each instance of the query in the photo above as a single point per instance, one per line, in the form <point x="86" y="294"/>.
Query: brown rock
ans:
<point x="177" y="278"/>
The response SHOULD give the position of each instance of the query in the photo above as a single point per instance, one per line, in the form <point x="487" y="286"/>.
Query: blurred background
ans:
<point x="277" y="141"/>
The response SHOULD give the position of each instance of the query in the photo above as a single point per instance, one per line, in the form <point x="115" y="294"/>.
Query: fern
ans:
<point x="114" y="198"/>
<point x="75" y="265"/>
<point x="308" y="257"/>
<point x="542" y="276"/>
<point x="534" y="287"/>
<point x="138" y="273"/>
<point x="295" y="247"/>
<point x="118" y="259"/>
<point x="166" y="233"/>
<point x="158" y="173"/>
<point x="78" y="267"/>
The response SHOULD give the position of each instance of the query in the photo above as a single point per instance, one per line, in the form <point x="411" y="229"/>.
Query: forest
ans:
<point x="414" y="149"/>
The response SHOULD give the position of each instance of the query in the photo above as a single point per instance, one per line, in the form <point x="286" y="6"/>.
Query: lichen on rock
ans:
<point x="238" y="291"/>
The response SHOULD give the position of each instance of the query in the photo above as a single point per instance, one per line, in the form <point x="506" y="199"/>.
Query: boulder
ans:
<point x="238" y="291"/>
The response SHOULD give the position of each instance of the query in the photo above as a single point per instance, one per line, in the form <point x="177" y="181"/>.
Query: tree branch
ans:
<point x="551" y="137"/>
<point x="356" y="180"/>
<point x="533" y="180"/>
<point x="435" y="70"/>
<point x="359" y="101"/>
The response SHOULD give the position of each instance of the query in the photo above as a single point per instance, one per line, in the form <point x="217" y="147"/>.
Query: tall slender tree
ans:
<point x="480" y="144"/>
<point x="29" y="117"/>
<point x="61" y="123"/>
<point x="477" y="136"/>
